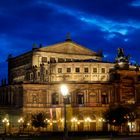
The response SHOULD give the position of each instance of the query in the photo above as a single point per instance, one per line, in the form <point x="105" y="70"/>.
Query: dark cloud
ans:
<point x="97" y="24"/>
<point x="113" y="9"/>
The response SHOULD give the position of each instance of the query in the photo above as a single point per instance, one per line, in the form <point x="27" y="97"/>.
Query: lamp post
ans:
<point x="87" y="121"/>
<point x="20" y="121"/>
<point x="64" y="92"/>
<point x="6" y="123"/>
<point x="28" y="126"/>
<point x="74" y="120"/>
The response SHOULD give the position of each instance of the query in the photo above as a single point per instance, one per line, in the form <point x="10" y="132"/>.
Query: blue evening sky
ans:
<point x="96" y="24"/>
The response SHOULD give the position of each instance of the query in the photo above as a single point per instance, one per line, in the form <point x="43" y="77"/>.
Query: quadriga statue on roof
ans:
<point x="121" y="57"/>
<point x="120" y="52"/>
<point x="122" y="61"/>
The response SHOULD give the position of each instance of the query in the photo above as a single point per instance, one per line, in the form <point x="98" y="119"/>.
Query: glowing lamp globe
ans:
<point x="64" y="90"/>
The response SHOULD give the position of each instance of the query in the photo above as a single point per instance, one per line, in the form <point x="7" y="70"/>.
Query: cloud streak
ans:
<point x="135" y="3"/>
<point x="94" y="20"/>
<point x="99" y="25"/>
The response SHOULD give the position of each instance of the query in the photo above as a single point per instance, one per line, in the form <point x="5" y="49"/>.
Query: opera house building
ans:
<point x="35" y="78"/>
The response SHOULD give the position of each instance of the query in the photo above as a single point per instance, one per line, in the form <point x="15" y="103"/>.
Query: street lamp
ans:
<point x="6" y="123"/>
<point x="74" y="120"/>
<point x="64" y="92"/>
<point x="28" y="126"/>
<point x="20" y="121"/>
<point x="87" y="121"/>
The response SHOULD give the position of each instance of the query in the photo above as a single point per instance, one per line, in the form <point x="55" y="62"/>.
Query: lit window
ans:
<point x="55" y="99"/>
<point x="103" y="70"/>
<point x="104" y="98"/>
<point x="61" y="60"/>
<point x="77" y="69"/>
<point x="68" y="60"/>
<point x="86" y="70"/>
<point x="80" y="98"/>
<point x="44" y="59"/>
<point x="94" y="70"/>
<point x="38" y="74"/>
<point x="59" y="70"/>
<point x="92" y="98"/>
<point x="68" y="70"/>
<point x="52" y="60"/>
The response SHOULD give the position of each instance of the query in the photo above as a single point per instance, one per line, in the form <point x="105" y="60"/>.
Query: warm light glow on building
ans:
<point x="72" y="85"/>
<point x="64" y="90"/>
<point x="74" y="119"/>
<point x="88" y="119"/>
<point x="101" y="120"/>
<point x="20" y="120"/>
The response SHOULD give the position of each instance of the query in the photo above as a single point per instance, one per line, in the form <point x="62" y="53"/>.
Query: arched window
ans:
<point x="55" y="99"/>
<point x="104" y="98"/>
<point x="80" y="98"/>
<point x="92" y="97"/>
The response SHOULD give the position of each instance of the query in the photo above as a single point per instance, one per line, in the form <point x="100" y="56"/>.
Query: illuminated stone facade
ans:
<point x="36" y="76"/>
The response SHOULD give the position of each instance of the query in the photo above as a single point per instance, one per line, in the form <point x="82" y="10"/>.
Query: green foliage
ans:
<point x="38" y="120"/>
<point x="118" y="115"/>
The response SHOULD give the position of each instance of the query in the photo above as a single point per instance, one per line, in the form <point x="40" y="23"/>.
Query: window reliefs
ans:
<point x="44" y="59"/>
<point x="68" y="70"/>
<point x="86" y="70"/>
<point x="102" y="70"/>
<point x="80" y="98"/>
<point x="59" y="70"/>
<point x="94" y="70"/>
<point x="55" y="99"/>
<point x="52" y="60"/>
<point x="92" y="97"/>
<point x="104" y="98"/>
<point x="77" y="69"/>
<point x="35" y="98"/>
<point x="61" y="60"/>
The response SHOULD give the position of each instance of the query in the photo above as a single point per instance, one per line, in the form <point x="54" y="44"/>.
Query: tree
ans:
<point x="119" y="115"/>
<point x="38" y="120"/>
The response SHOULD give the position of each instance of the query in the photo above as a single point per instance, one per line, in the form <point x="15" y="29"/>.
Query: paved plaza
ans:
<point x="70" y="138"/>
